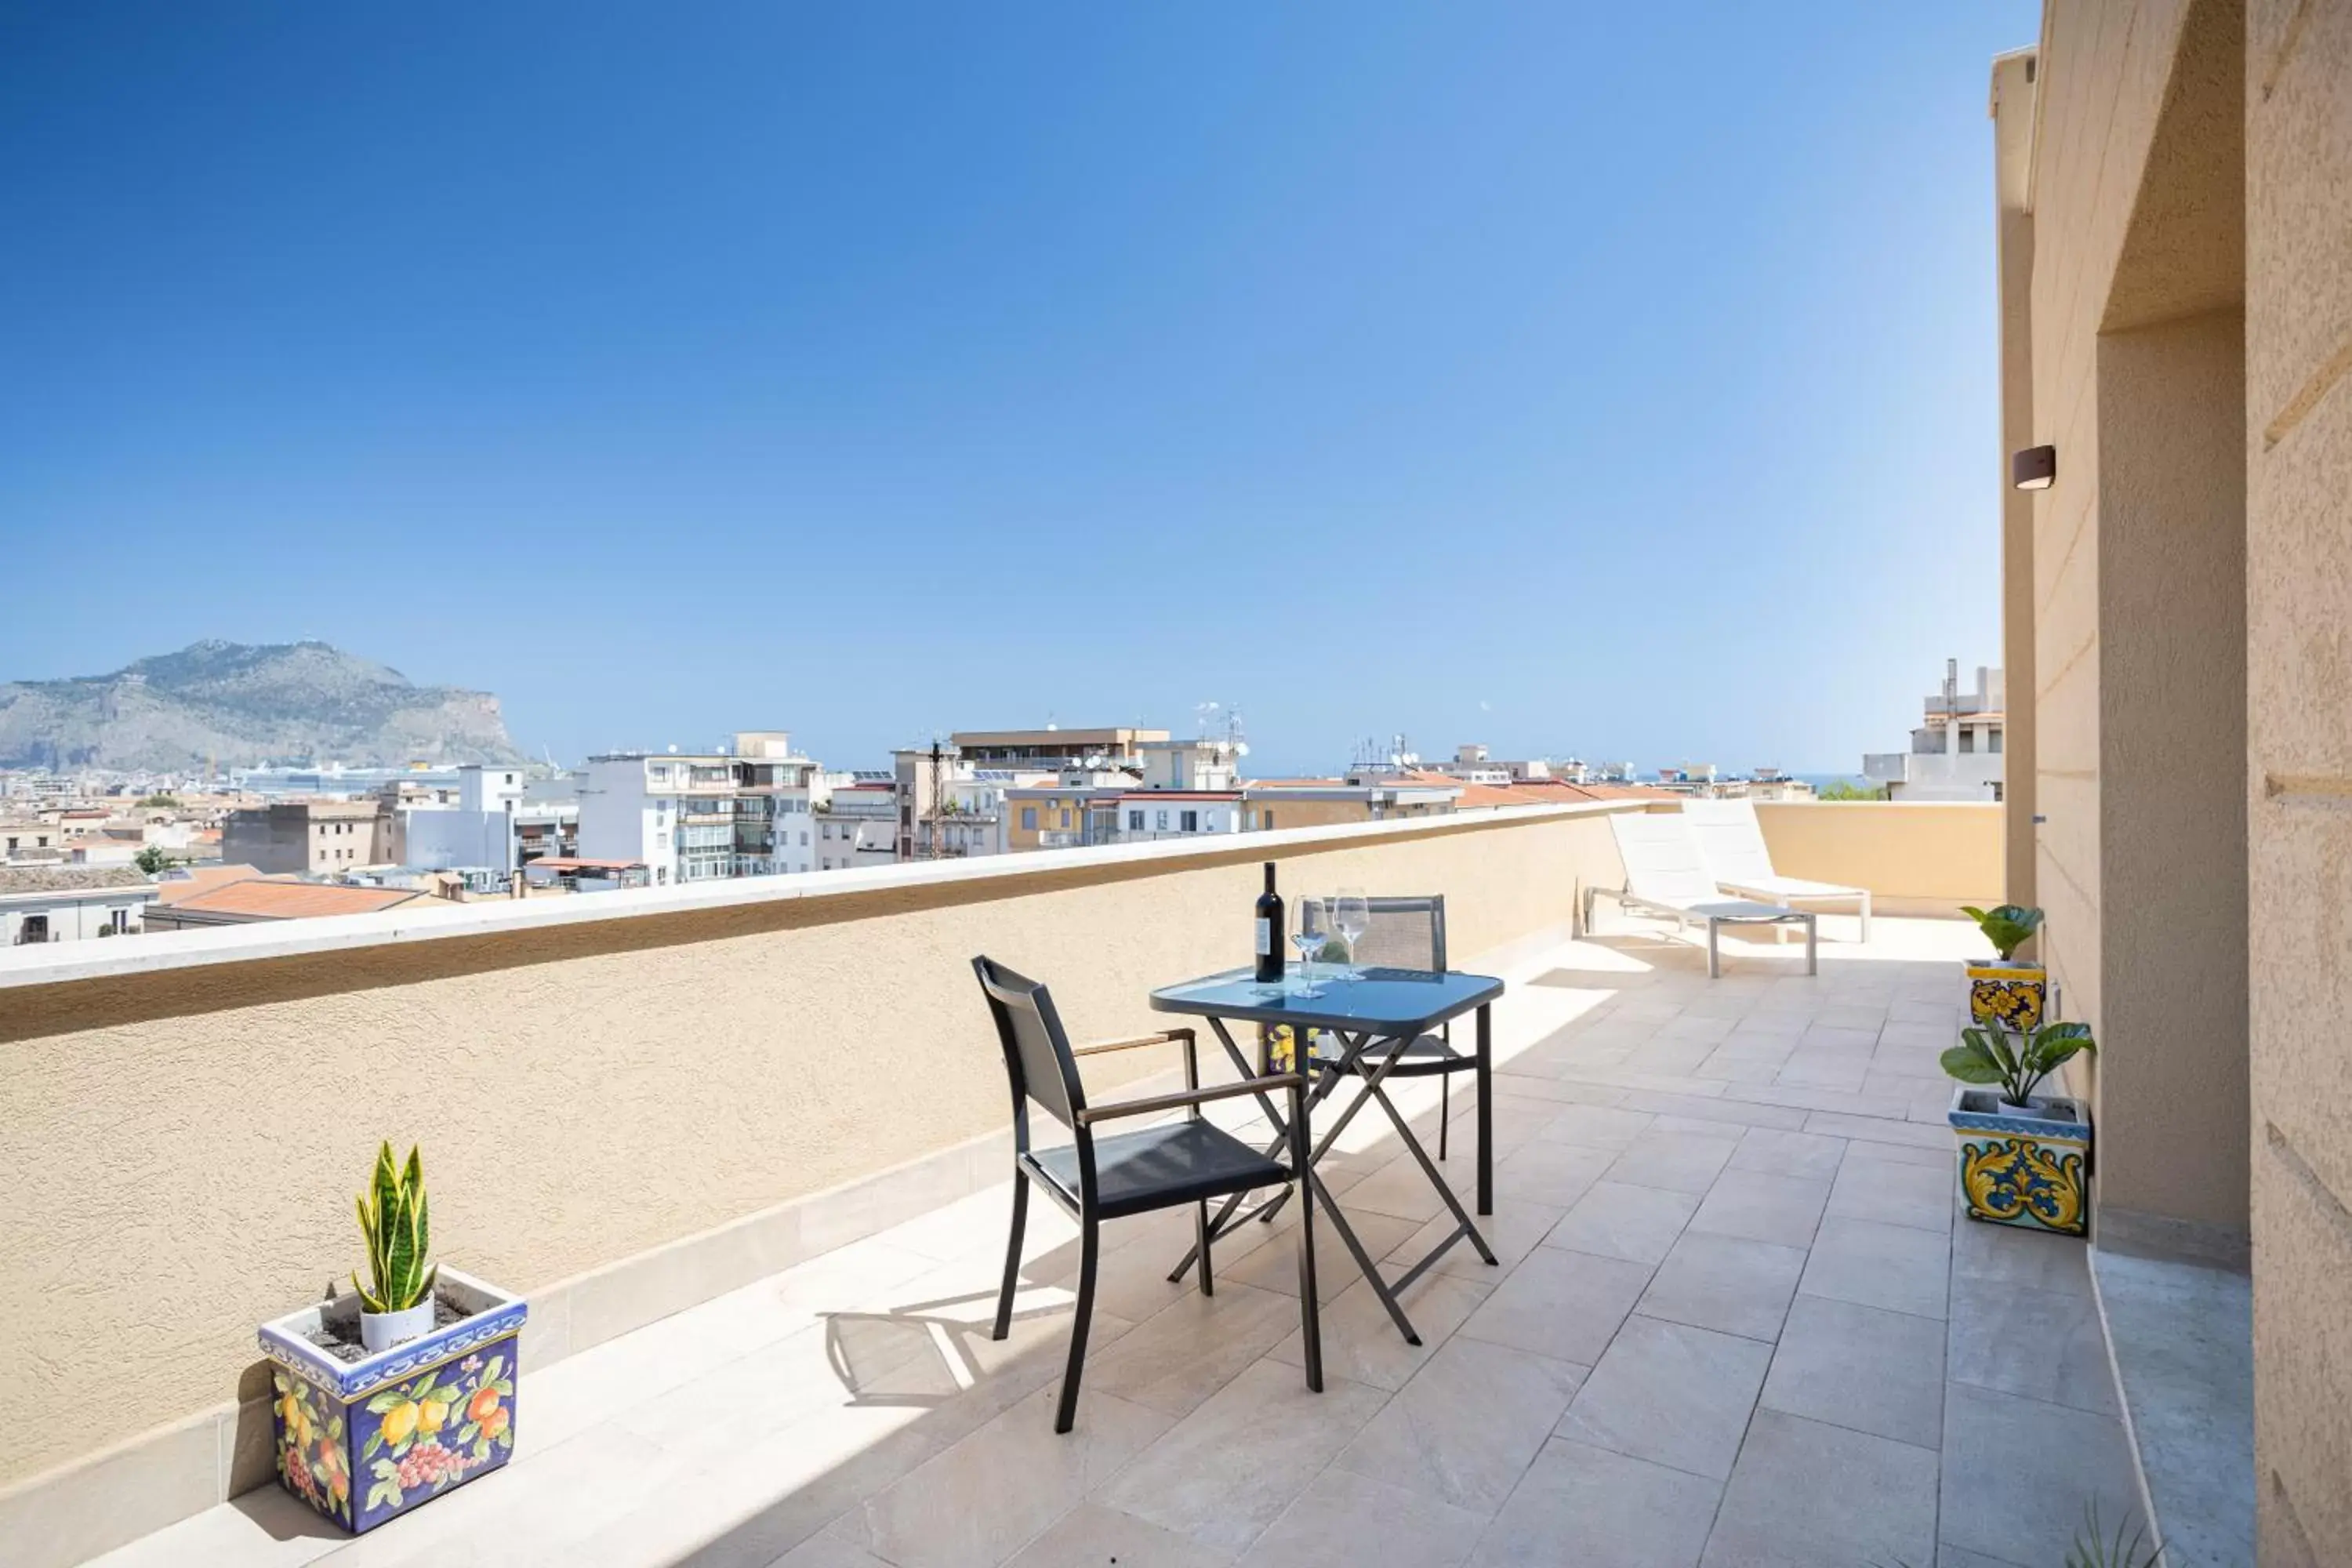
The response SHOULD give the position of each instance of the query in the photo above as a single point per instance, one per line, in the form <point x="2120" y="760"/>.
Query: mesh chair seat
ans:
<point x="1163" y="1166"/>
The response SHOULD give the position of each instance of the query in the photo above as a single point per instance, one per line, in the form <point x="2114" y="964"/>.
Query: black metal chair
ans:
<point x="1410" y="933"/>
<point x="1094" y="1178"/>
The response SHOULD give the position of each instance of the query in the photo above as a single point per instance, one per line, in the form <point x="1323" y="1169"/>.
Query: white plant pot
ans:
<point x="381" y="1331"/>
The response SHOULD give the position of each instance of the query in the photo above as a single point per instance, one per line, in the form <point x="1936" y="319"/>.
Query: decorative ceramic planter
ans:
<point x="2010" y="995"/>
<point x="2032" y="1172"/>
<point x="364" y="1441"/>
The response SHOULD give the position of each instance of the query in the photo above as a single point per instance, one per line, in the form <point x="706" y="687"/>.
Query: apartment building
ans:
<point x="1054" y="747"/>
<point x="861" y="822"/>
<point x="308" y="837"/>
<point x="1270" y="804"/>
<point x="71" y="903"/>
<point x="1956" y="752"/>
<point x="745" y="812"/>
<point x="496" y="820"/>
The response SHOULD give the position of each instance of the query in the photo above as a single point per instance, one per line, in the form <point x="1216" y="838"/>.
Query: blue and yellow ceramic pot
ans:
<point x="2009" y="993"/>
<point x="2033" y="1172"/>
<point x="364" y="1441"/>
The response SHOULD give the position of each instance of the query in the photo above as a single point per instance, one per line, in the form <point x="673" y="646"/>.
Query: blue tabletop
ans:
<point x="1385" y="1001"/>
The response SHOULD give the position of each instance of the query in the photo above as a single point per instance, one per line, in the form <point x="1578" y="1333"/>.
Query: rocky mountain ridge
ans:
<point x="242" y="705"/>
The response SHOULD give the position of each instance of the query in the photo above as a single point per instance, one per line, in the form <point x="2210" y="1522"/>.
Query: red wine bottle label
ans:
<point x="1264" y="936"/>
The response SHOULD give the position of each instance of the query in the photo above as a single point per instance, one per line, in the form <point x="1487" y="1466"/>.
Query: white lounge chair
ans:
<point x="1665" y="875"/>
<point x="1732" y="845"/>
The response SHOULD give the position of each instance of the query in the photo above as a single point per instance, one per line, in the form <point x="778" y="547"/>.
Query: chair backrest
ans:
<point x="1662" y="860"/>
<point x="1408" y="933"/>
<point x="1037" y="1051"/>
<point x="1729" y="840"/>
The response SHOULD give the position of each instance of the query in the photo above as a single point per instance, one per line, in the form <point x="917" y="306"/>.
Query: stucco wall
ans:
<point x="2135" y="563"/>
<point x="2013" y="78"/>
<point x="2298" y="61"/>
<point x="181" y="1145"/>
<point x="1914" y="857"/>
<point x="2171" y="1088"/>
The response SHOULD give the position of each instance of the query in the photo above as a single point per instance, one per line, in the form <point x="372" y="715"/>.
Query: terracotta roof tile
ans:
<point x="262" y="898"/>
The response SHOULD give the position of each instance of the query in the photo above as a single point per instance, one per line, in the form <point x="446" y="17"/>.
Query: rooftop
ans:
<point x="68" y="879"/>
<point x="1734" y="1317"/>
<point x="275" y="899"/>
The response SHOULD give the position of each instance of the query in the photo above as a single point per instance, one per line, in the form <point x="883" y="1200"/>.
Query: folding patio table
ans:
<point x="1357" y="1008"/>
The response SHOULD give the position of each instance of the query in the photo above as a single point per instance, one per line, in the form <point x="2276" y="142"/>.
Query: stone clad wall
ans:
<point x="2298" y="349"/>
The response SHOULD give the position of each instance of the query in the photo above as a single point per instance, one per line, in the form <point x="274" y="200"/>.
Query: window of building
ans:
<point x="1029" y="819"/>
<point x="1968" y="741"/>
<point x="1159" y="823"/>
<point x="1191" y="822"/>
<point x="1135" y="822"/>
<point x="1993" y="742"/>
<point x="120" y="921"/>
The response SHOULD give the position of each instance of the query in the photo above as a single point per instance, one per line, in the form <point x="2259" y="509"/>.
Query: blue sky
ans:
<point x="1615" y="379"/>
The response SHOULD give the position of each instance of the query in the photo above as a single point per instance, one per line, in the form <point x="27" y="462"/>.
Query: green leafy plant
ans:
<point x="153" y="859"/>
<point x="1846" y="789"/>
<point x="2018" y="1063"/>
<point x="2091" y="1549"/>
<point x="394" y="1217"/>
<point x="2007" y="926"/>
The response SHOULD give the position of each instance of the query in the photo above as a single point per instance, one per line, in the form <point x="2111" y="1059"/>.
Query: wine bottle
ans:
<point x="1271" y="933"/>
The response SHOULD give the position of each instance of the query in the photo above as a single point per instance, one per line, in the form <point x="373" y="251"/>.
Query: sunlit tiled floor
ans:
<point x="1734" y="1322"/>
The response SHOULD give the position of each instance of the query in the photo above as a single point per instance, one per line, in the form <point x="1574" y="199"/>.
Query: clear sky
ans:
<point x="1617" y="380"/>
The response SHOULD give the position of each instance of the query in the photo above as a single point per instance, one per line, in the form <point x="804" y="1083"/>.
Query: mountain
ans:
<point x="242" y="705"/>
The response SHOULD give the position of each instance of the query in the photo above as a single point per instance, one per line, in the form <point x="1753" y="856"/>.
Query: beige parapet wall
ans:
<point x="619" y="1098"/>
<point x="1915" y="858"/>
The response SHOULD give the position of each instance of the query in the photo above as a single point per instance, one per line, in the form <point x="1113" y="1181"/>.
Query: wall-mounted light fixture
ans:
<point x="2034" y="468"/>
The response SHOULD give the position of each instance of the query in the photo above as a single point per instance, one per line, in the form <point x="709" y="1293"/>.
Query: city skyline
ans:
<point x="820" y="374"/>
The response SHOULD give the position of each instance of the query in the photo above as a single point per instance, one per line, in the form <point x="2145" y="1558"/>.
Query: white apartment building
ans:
<point x="68" y="903"/>
<point x="1473" y="764"/>
<point x="748" y="812"/>
<point x="858" y="825"/>
<point x="1957" y="753"/>
<point x="496" y="820"/>
<point x="1196" y="764"/>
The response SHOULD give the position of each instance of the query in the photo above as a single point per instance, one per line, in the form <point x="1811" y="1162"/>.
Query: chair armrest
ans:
<point x="1153" y="1104"/>
<point x="1164" y="1038"/>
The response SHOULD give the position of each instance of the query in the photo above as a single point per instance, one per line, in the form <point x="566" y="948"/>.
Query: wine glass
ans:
<point x="1308" y="939"/>
<point x="1351" y="917"/>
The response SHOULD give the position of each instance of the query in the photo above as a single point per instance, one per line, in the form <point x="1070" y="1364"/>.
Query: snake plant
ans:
<point x="394" y="1219"/>
<point x="2007" y="926"/>
<point x="2017" y="1063"/>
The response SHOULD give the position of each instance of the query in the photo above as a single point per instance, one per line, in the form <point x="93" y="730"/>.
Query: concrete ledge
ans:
<point x="2180" y="1339"/>
<point x="834" y="894"/>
